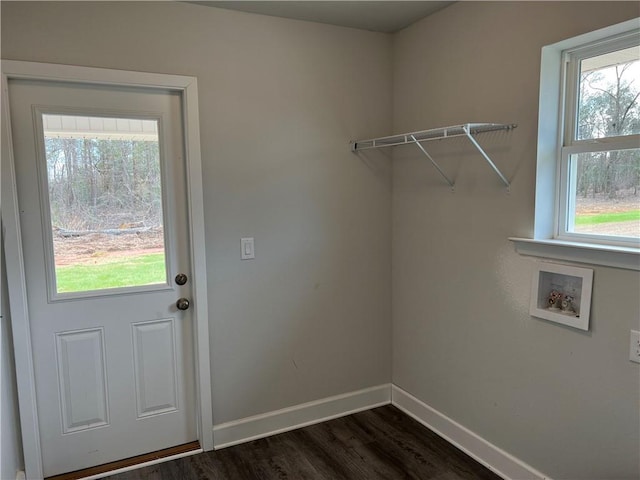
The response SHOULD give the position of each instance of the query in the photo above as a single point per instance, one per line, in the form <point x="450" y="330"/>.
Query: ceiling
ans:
<point x="377" y="16"/>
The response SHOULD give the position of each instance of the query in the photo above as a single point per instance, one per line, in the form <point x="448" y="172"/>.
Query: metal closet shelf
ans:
<point x="466" y="130"/>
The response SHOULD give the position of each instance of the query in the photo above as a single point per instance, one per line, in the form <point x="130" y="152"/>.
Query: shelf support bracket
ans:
<point x="486" y="157"/>
<point x="432" y="161"/>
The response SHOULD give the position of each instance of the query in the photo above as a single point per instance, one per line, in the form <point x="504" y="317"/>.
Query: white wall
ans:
<point x="564" y="401"/>
<point x="279" y="101"/>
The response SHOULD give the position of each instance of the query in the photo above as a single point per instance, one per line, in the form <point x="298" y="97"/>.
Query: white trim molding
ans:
<point x="187" y="87"/>
<point x="588" y="253"/>
<point x="17" y="293"/>
<point x="279" y="421"/>
<point x="481" y="450"/>
<point x="271" y="423"/>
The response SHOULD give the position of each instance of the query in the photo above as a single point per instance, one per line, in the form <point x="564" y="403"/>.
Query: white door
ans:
<point x="102" y="197"/>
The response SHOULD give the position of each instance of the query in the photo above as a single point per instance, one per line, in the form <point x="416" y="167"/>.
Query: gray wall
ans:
<point x="564" y="401"/>
<point x="279" y="101"/>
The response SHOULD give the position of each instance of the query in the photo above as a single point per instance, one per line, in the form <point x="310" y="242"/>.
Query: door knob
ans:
<point x="182" y="304"/>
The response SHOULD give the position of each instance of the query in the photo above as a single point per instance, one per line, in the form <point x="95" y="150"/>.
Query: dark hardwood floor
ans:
<point x="382" y="443"/>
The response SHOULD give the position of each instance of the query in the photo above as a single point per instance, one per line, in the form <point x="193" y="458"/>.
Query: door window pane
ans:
<point x="605" y="193"/>
<point x="105" y="197"/>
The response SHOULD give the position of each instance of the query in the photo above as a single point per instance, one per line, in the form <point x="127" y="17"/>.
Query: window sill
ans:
<point x="611" y="256"/>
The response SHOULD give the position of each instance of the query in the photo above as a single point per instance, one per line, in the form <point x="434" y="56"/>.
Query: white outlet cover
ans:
<point x="634" y="346"/>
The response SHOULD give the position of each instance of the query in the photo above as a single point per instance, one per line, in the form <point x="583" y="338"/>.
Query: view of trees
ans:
<point x="100" y="184"/>
<point x="609" y="106"/>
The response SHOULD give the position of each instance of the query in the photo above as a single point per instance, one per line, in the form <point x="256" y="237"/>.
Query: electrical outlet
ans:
<point x="634" y="346"/>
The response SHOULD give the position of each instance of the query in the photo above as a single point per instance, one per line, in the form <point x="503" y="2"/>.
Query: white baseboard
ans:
<point x="271" y="423"/>
<point x="492" y="457"/>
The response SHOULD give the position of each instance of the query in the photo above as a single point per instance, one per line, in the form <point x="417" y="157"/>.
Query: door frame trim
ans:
<point x="188" y="88"/>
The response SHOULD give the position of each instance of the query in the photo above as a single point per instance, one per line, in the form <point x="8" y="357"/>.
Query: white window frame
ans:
<point x="570" y="145"/>
<point x="547" y="242"/>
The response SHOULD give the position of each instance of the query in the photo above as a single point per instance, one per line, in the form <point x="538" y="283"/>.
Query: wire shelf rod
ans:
<point x="429" y="135"/>
<point x="466" y="130"/>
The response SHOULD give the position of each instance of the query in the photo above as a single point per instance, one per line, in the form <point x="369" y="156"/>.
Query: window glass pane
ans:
<point x="105" y="200"/>
<point x="605" y="193"/>
<point x="608" y="95"/>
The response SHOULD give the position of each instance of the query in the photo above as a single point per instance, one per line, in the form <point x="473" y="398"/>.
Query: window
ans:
<point x="599" y="177"/>
<point x="587" y="205"/>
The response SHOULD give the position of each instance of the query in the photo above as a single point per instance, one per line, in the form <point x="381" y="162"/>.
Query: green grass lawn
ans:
<point x="608" y="217"/>
<point x="115" y="273"/>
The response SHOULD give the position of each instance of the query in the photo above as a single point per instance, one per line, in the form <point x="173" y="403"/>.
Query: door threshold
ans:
<point x="132" y="463"/>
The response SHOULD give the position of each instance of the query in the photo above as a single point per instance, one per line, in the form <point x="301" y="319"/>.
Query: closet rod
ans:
<point x="466" y="130"/>
<point x="428" y="135"/>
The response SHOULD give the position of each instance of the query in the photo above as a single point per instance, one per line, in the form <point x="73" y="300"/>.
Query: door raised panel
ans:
<point x="82" y="379"/>
<point x="155" y="367"/>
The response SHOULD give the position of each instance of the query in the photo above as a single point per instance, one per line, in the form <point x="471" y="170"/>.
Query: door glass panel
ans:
<point x="105" y="198"/>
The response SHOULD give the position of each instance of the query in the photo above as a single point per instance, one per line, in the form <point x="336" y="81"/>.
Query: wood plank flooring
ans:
<point x="382" y="443"/>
